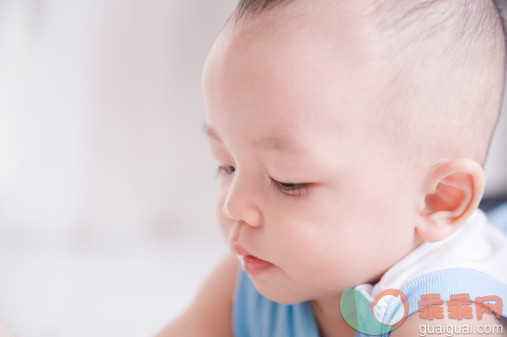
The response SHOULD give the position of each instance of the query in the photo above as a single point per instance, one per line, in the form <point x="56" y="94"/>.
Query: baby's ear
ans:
<point x="452" y="192"/>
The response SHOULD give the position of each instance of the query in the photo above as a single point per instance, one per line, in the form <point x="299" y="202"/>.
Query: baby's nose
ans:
<point x="243" y="212"/>
<point x="240" y="206"/>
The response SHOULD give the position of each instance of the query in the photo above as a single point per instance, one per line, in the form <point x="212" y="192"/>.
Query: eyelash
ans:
<point x="288" y="189"/>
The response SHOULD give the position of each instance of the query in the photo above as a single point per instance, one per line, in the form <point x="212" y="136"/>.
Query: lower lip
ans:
<point x="253" y="265"/>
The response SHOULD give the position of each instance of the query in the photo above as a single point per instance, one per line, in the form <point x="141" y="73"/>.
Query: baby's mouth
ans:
<point x="253" y="265"/>
<point x="249" y="263"/>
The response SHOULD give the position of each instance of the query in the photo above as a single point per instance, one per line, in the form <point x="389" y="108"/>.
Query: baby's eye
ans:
<point x="227" y="169"/>
<point x="291" y="189"/>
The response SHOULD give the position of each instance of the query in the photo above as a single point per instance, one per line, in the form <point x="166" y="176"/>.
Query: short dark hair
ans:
<point x="416" y="8"/>
<point x="246" y="7"/>
<point x="476" y="37"/>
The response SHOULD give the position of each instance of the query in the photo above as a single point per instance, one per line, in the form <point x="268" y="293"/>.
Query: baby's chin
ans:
<point x="281" y="294"/>
<point x="278" y="288"/>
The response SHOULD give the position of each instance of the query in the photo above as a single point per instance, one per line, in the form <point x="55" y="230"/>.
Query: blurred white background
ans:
<point x="107" y="222"/>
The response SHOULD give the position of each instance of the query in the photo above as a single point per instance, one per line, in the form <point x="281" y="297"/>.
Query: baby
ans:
<point x="351" y="138"/>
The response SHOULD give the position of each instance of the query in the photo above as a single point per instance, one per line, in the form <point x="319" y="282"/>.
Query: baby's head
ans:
<point x="349" y="132"/>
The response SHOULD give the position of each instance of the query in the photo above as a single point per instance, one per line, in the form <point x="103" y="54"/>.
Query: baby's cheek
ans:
<point x="313" y="254"/>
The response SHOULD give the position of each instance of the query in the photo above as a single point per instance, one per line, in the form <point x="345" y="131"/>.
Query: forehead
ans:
<point x="268" y="77"/>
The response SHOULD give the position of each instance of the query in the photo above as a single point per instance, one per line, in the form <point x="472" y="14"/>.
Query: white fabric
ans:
<point x="476" y="245"/>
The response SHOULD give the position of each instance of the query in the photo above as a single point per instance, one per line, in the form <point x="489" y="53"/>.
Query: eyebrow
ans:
<point x="273" y="142"/>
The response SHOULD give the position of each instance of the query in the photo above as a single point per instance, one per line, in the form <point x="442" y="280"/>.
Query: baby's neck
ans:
<point x="329" y="319"/>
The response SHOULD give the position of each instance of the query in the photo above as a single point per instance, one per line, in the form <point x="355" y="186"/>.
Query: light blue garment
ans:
<point x="256" y="316"/>
<point x="498" y="217"/>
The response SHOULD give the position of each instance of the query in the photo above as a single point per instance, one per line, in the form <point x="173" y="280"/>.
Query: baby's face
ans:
<point x="305" y="182"/>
